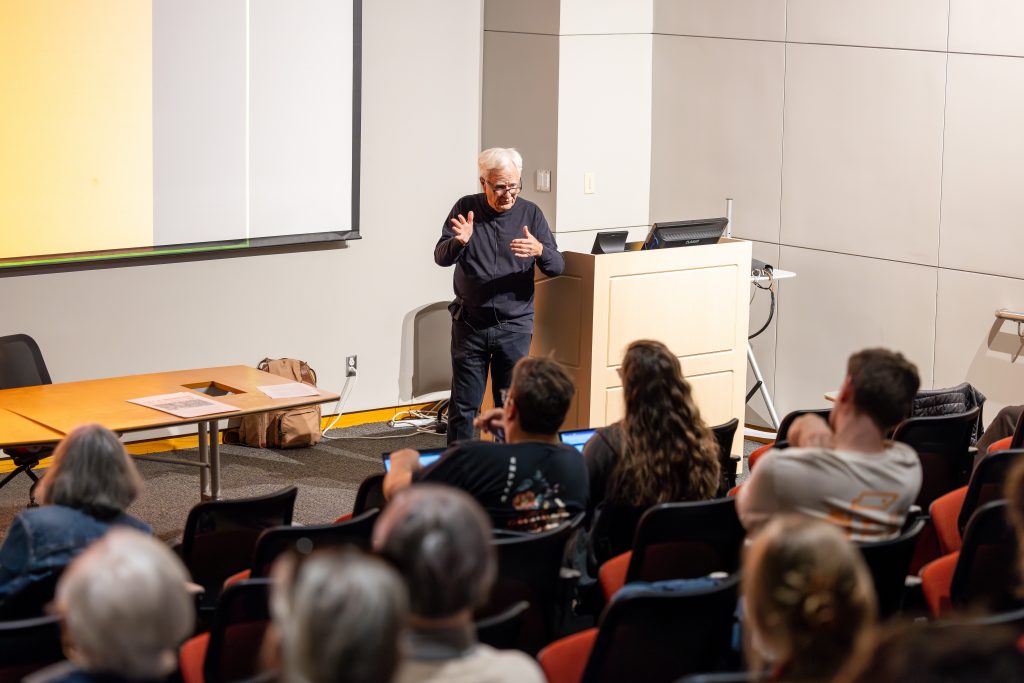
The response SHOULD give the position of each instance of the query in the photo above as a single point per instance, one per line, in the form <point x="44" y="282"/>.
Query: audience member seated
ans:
<point x="531" y="483"/>
<point x="808" y="599"/>
<point x="126" y="608"/>
<point x="439" y="539"/>
<point x="661" y="451"/>
<point x="84" y="493"/>
<point x="939" y="654"/>
<point x="339" y="619"/>
<point x="1002" y="427"/>
<point x="844" y="471"/>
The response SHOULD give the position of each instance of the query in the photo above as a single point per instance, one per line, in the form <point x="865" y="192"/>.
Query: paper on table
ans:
<point x="289" y="390"/>
<point x="183" y="404"/>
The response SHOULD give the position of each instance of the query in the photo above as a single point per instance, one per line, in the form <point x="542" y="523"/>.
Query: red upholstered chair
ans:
<point x="951" y="512"/>
<point x="983" y="573"/>
<point x="649" y="635"/>
<point x="220" y="536"/>
<point x="27" y="645"/>
<point x="678" y="541"/>
<point x="276" y="541"/>
<point x="231" y="650"/>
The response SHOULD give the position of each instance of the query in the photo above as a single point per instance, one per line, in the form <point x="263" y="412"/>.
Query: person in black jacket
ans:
<point x="493" y="239"/>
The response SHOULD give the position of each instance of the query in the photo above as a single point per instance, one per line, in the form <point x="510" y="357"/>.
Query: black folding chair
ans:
<point x="22" y="365"/>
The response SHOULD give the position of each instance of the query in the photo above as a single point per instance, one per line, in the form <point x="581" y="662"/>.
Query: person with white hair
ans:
<point x="125" y="606"/>
<point x="494" y="239"/>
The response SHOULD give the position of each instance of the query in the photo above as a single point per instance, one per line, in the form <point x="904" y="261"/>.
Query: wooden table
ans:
<point x="52" y="410"/>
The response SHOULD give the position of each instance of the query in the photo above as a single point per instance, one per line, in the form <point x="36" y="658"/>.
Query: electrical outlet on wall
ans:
<point x="351" y="363"/>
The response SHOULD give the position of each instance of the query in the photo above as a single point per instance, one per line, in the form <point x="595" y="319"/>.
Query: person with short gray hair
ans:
<point x="126" y="609"/>
<point x="439" y="539"/>
<point x="339" y="618"/>
<point x="84" y="493"/>
<point x="494" y="239"/>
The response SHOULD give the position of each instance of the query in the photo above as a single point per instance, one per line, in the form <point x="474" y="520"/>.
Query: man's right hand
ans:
<point x="491" y="421"/>
<point x="810" y="431"/>
<point x="463" y="227"/>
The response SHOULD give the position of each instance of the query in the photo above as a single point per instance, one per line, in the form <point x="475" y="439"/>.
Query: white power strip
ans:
<point x="412" y="422"/>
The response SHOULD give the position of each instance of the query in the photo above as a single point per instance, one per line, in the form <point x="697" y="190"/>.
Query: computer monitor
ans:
<point x="685" y="233"/>
<point x="577" y="438"/>
<point x="610" y="242"/>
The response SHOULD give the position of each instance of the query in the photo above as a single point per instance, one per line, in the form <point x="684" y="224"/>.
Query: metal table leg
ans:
<point x="214" y="433"/>
<point x="204" y="459"/>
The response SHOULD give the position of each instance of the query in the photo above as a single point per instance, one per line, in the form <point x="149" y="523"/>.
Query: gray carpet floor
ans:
<point x="328" y="476"/>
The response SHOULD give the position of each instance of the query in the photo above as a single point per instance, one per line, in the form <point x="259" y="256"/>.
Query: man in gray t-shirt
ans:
<point x="844" y="471"/>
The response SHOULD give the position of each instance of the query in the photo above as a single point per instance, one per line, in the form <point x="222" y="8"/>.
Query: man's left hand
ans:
<point x="527" y="246"/>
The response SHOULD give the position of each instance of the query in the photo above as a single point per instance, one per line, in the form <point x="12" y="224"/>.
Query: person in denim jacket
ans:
<point x="83" y="494"/>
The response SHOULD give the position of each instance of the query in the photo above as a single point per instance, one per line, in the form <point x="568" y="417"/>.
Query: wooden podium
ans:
<point x="693" y="299"/>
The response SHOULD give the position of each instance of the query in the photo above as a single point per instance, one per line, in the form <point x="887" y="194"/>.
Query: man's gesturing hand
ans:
<point x="463" y="227"/>
<point x="527" y="246"/>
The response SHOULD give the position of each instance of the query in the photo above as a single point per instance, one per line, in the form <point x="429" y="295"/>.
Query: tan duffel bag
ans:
<point x="291" y="428"/>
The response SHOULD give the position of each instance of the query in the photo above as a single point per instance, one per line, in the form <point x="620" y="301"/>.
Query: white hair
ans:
<point x="125" y="605"/>
<point x="344" y="619"/>
<point x="498" y="158"/>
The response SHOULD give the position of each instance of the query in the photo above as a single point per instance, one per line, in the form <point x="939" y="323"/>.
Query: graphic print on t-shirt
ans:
<point x="533" y="493"/>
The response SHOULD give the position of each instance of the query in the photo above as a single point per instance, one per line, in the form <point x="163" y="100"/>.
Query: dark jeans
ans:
<point x="473" y="352"/>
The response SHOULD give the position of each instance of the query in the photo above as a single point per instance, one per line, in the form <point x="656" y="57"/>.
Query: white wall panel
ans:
<point x="863" y="151"/>
<point x="972" y="344"/>
<point x="606" y="16"/>
<point x="982" y="203"/>
<point x="756" y="19"/>
<point x="839" y="304"/>
<point x="987" y="26"/>
<point x="520" y="105"/>
<point x="909" y="24"/>
<point x="604" y="127"/>
<point x="717" y="131"/>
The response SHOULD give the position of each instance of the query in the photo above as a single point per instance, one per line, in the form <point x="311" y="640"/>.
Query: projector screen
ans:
<point x="141" y="127"/>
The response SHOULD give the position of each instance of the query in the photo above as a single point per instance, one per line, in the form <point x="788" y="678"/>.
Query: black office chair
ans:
<point x="22" y="365"/>
<point x="985" y="574"/>
<point x="724" y="434"/>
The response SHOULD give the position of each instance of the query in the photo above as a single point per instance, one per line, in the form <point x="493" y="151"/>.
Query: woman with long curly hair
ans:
<point x="661" y="451"/>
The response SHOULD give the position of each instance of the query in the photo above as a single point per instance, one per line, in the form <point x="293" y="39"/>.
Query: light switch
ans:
<point x="589" y="182"/>
<point x="543" y="183"/>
